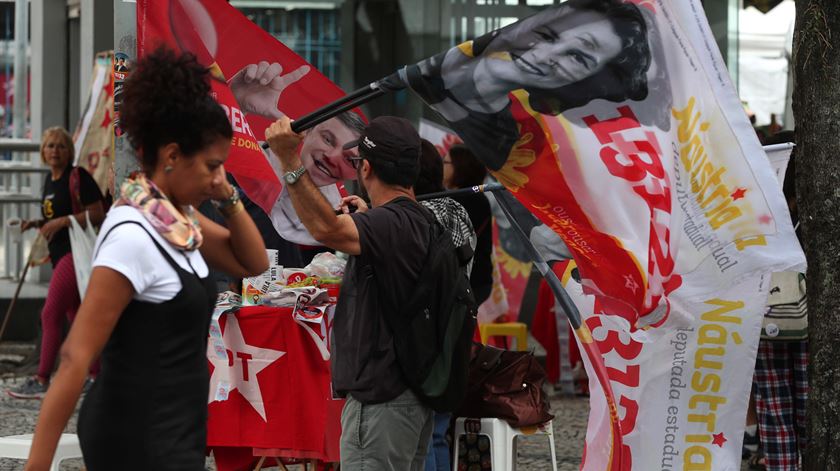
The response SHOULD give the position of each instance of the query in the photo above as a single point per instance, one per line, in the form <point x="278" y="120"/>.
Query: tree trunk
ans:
<point x="816" y="108"/>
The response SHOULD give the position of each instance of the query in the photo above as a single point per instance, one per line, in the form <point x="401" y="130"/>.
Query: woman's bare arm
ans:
<point x="109" y="292"/>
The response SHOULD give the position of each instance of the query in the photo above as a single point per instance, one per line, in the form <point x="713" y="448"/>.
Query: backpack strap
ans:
<point x="374" y="344"/>
<point x="76" y="191"/>
<point x="378" y="292"/>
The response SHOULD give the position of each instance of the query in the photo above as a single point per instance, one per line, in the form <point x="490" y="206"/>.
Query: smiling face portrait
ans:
<point x="322" y="151"/>
<point x="557" y="53"/>
<point x="569" y="55"/>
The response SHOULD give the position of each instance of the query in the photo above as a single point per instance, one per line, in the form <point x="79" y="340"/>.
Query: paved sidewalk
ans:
<point x="19" y="416"/>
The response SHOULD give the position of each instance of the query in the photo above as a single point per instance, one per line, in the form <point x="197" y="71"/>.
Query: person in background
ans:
<point x="780" y="381"/>
<point x="453" y="217"/>
<point x="147" y="308"/>
<point x="69" y="192"/>
<point x="384" y="424"/>
<point x="462" y="170"/>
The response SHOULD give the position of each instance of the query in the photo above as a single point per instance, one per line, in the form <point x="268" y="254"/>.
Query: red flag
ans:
<point x="239" y="54"/>
<point x="270" y="387"/>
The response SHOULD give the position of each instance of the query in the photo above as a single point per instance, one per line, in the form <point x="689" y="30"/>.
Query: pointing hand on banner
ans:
<point x="257" y="87"/>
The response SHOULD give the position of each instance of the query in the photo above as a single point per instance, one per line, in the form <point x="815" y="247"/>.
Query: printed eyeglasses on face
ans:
<point x="353" y="160"/>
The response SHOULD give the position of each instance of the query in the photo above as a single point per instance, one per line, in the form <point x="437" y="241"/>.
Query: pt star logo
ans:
<point x="630" y="283"/>
<point x="718" y="439"/>
<point x="244" y="362"/>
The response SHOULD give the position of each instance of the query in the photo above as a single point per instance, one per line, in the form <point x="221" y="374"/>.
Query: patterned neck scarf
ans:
<point x="180" y="230"/>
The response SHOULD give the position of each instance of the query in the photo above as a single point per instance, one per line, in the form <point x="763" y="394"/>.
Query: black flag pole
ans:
<point x="566" y="304"/>
<point x="589" y="346"/>
<point x="554" y="283"/>
<point x="473" y="190"/>
<point x="487" y="187"/>
<point x="347" y="102"/>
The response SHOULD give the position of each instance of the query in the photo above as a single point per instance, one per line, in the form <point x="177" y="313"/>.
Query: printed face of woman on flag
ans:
<point x="322" y="153"/>
<point x="564" y="57"/>
<point x="552" y="54"/>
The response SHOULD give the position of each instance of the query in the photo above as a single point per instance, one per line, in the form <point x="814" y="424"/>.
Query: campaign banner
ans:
<point x="617" y="125"/>
<point x="93" y="137"/>
<point x="682" y="399"/>
<point x="256" y="79"/>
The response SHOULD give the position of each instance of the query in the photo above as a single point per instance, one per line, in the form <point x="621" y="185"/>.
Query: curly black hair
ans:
<point x="167" y="99"/>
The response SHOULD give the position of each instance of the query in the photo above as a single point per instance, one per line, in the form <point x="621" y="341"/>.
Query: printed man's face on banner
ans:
<point x="555" y="51"/>
<point x="322" y="153"/>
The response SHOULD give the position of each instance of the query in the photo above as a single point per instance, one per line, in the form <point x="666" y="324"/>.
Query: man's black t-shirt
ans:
<point x="56" y="203"/>
<point x="394" y="240"/>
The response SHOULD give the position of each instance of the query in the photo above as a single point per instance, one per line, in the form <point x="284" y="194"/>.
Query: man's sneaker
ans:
<point x="30" y="389"/>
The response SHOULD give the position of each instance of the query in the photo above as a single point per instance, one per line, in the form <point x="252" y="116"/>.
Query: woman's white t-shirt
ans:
<point x="129" y="250"/>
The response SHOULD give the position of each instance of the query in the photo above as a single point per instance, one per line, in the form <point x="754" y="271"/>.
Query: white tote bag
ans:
<point x="82" y="241"/>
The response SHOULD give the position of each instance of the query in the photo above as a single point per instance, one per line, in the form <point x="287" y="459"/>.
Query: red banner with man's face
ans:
<point x="256" y="78"/>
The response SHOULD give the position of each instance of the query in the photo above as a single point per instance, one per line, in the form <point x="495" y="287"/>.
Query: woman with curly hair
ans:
<point x="69" y="192"/>
<point x="147" y="309"/>
<point x="564" y="57"/>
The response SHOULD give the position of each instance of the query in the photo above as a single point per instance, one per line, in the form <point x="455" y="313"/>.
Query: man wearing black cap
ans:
<point x="384" y="425"/>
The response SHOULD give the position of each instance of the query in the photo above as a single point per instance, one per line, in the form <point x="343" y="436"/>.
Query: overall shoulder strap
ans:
<point x="160" y="248"/>
<point x="76" y="191"/>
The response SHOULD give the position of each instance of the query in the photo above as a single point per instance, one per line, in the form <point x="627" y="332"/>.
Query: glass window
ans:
<point x="313" y="33"/>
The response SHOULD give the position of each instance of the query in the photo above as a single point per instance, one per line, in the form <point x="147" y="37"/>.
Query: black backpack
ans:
<point x="433" y="329"/>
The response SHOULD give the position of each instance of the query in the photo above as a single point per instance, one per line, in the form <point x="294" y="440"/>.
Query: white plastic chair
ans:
<point x="17" y="446"/>
<point x="502" y="440"/>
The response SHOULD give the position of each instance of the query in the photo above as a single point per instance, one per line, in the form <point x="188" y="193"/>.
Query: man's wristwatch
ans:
<point x="293" y="176"/>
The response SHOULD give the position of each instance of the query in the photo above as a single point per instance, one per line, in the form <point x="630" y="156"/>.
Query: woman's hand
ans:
<point x="49" y="229"/>
<point x="25" y="225"/>
<point x="352" y="200"/>
<point x="223" y="191"/>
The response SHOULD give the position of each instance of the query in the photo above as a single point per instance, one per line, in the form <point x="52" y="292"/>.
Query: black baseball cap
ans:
<point x="389" y="140"/>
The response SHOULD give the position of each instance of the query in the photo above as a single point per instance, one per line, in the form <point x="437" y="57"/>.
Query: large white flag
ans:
<point x="617" y="125"/>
